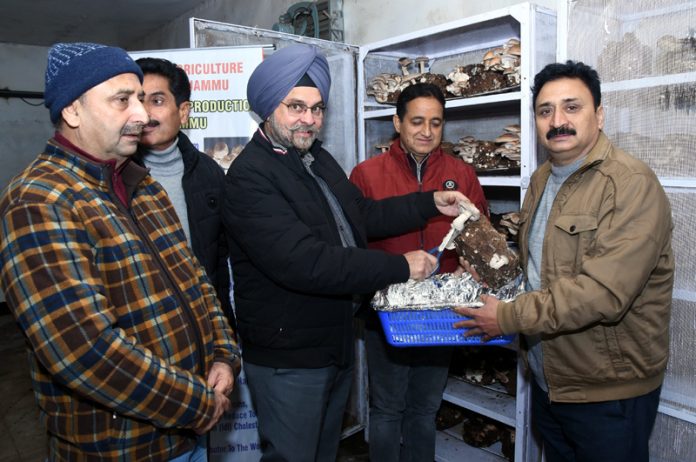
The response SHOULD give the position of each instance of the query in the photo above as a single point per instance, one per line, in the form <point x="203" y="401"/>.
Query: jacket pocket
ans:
<point x="576" y="224"/>
<point x="570" y="242"/>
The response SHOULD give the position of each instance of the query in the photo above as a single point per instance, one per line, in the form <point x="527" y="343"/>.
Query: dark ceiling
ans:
<point x="112" y="22"/>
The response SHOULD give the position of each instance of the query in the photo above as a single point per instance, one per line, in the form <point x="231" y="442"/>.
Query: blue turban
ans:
<point x="273" y="79"/>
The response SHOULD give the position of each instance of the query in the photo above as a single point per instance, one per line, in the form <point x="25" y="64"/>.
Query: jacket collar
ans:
<point x="103" y="174"/>
<point x="274" y="147"/>
<point x="401" y="157"/>
<point x="596" y="156"/>
<point x="189" y="153"/>
<point x="599" y="151"/>
<point x="397" y="152"/>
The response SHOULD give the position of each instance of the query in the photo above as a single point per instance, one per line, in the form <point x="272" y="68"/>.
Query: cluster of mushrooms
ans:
<point x="498" y="70"/>
<point x="477" y="430"/>
<point x="509" y="224"/>
<point x="485" y="366"/>
<point x="386" y="88"/>
<point x="223" y="155"/>
<point x="481" y="432"/>
<point x="501" y="154"/>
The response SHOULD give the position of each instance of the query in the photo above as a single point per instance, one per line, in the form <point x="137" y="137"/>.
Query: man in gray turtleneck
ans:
<point x="193" y="180"/>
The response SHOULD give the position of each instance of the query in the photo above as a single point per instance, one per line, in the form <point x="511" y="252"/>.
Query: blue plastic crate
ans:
<point x="430" y="328"/>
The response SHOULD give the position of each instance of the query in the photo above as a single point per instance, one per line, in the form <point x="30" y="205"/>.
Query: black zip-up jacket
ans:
<point x="294" y="281"/>
<point x="203" y="183"/>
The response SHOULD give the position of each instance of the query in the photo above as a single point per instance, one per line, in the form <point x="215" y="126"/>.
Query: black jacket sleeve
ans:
<point x="278" y="225"/>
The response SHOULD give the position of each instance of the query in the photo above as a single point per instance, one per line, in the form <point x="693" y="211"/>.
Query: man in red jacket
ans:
<point x="406" y="385"/>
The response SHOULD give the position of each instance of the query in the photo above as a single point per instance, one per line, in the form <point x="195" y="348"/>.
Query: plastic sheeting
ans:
<point x="645" y="53"/>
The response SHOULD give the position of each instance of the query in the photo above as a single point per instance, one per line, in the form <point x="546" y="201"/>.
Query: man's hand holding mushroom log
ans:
<point x="483" y="320"/>
<point x="447" y="202"/>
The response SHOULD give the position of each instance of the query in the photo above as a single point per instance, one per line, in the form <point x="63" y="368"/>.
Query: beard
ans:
<point x="287" y="137"/>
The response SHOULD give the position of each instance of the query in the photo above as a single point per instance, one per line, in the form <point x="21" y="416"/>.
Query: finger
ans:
<point x="467" y="324"/>
<point x="230" y="388"/>
<point x="473" y="332"/>
<point x="464" y="311"/>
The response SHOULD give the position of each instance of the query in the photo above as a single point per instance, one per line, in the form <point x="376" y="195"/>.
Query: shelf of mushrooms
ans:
<point x="499" y="70"/>
<point x="501" y="155"/>
<point x="386" y="88"/>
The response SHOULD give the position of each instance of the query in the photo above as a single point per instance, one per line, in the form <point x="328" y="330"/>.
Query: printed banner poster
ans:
<point x="219" y="125"/>
<point x="220" y="122"/>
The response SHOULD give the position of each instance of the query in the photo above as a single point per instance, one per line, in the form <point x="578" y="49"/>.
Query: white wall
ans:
<point x="368" y="21"/>
<point x="24" y="129"/>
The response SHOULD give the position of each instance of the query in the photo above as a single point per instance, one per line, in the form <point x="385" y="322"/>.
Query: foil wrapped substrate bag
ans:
<point x="440" y="292"/>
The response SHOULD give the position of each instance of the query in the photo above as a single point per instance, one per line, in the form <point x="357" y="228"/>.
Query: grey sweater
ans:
<point x="559" y="174"/>
<point x="167" y="167"/>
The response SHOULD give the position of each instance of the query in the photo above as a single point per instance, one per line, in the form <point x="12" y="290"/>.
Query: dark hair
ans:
<point x="418" y="90"/>
<point x="178" y="80"/>
<point x="573" y="70"/>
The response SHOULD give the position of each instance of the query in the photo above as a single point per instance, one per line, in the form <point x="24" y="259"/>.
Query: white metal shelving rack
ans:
<point x="456" y="43"/>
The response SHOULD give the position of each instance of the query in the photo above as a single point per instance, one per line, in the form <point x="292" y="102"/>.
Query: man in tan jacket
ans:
<point x="595" y="243"/>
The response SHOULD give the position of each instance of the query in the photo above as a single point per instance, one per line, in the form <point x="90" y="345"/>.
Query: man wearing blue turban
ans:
<point x="298" y="232"/>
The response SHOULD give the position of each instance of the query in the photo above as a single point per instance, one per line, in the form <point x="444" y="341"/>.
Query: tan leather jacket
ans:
<point x="606" y="276"/>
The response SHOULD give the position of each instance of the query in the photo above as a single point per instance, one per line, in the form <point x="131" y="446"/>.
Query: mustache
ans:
<point x="560" y="131"/>
<point x="304" y="128"/>
<point x="133" y="129"/>
<point x="153" y="123"/>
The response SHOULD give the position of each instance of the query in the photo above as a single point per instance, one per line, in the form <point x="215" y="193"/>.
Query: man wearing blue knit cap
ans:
<point x="130" y="353"/>
<point x="298" y="231"/>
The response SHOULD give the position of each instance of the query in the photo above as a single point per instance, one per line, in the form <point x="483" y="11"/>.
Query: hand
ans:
<point x="447" y="202"/>
<point x="221" y="378"/>
<point x="459" y="270"/>
<point x="466" y="266"/>
<point x="420" y="264"/>
<point x="222" y="405"/>
<point x="484" y="320"/>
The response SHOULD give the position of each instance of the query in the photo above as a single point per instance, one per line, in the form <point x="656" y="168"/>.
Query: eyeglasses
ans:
<point x="298" y="109"/>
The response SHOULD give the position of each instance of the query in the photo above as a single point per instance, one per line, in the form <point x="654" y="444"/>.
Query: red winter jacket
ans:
<point x="389" y="174"/>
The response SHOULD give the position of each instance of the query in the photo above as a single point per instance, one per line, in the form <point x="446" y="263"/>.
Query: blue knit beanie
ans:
<point x="74" y="68"/>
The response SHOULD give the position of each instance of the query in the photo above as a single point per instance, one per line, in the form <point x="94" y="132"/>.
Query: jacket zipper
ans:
<point x="156" y="253"/>
<point x="419" y="179"/>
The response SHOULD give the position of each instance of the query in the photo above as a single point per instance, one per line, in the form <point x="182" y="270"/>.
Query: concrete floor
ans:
<point x="22" y="437"/>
